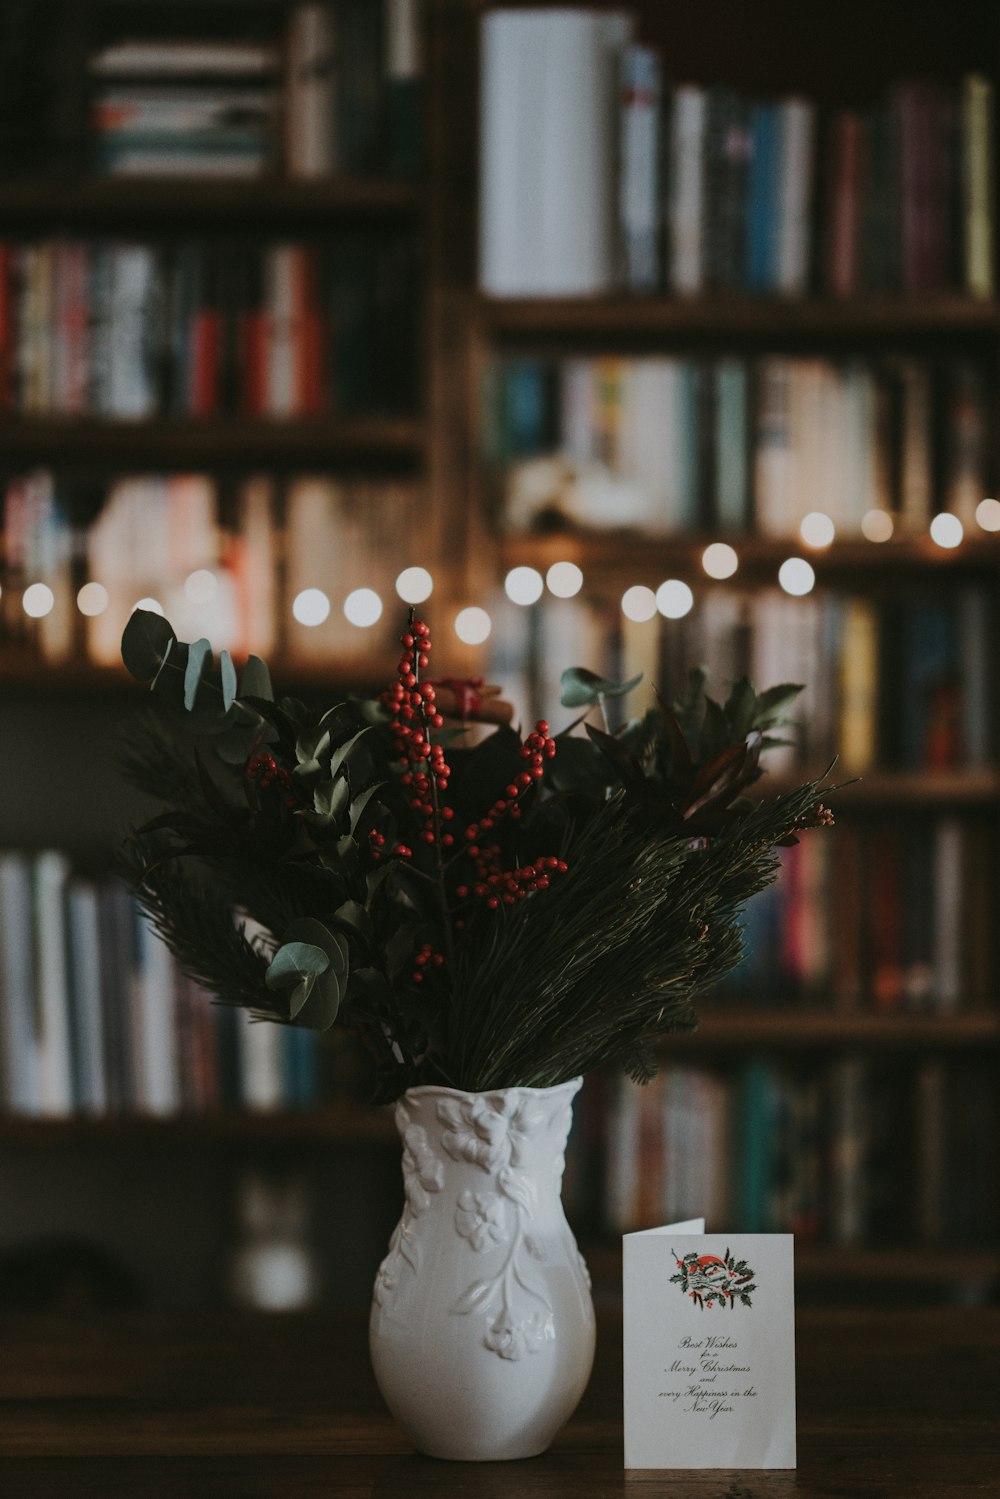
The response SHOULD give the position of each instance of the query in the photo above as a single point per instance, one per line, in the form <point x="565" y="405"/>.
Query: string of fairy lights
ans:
<point x="674" y="598"/>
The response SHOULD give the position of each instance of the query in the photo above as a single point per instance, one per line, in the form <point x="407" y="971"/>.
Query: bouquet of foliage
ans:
<point x="480" y="909"/>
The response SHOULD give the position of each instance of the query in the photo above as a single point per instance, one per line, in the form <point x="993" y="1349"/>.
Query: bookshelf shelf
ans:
<point x="623" y="556"/>
<point x="392" y="442"/>
<point x="624" y="321"/>
<point x="269" y="203"/>
<point x="82" y="679"/>
<point x="791" y="1030"/>
<point x="331" y="1126"/>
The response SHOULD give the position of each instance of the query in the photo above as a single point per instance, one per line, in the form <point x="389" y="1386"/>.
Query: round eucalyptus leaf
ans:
<point x="199" y="656"/>
<point x="295" y="961"/>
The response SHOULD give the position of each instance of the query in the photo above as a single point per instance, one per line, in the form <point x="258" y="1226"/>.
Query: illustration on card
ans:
<point x="710" y="1280"/>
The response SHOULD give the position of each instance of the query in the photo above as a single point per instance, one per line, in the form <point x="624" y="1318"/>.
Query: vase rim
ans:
<point x="575" y="1083"/>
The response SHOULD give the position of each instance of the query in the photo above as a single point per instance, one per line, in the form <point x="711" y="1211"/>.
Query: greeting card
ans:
<point x="709" y="1331"/>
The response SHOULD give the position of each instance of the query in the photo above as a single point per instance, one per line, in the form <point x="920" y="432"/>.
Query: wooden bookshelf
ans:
<point x="461" y="331"/>
<point x="792" y="1029"/>
<point x="268" y="203"/>
<point x="626" y="322"/>
<point x="340" y="1126"/>
<point x="623" y="558"/>
<point x="376" y="443"/>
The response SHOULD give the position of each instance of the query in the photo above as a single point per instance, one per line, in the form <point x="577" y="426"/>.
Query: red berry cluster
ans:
<point x="425" y="957"/>
<point x="264" y="771"/>
<point x="492" y="883"/>
<point x="411" y="704"/>
<point x="503" y="887"/>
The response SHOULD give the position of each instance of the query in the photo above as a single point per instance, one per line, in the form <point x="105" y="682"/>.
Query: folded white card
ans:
<point x="709" y="1327"/>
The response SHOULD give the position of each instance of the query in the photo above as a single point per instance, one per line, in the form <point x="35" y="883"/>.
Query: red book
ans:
<point x="253" y="362"/>
<point x="206" y="356"/>
<point x="312" y="380"/>
<point x="847" y="150"/>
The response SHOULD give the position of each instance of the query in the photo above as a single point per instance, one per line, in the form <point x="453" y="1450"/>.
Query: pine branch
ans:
<point x="198" y="925"/>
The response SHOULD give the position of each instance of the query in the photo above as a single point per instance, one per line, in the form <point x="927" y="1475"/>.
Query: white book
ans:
<point x="19" y="1036"/>
<point x="404" y="51"/>
<point x="316" y="545"/>
<point x="639" y="168"/>
<point x="131" y="390"/>
<point x="48" y="558"/>
<point x="139" y="162"/>
<point x="647" y="461"/>
<point x="154" y="1022"/>
<point x="576" y="410"/>
<point x="50" y="872"/>
<point x="686" y="212"/>
<point x="859" y="452"/>
<point x="261" y="1064"/>
<point x="774" y="459"/>
<point x="311" y="92"/>
<point x="548" y="151"/>
<point x="138" y="57"/>
<point x="86" y="1011"/>
<point x="255" y="580"/>
<point x="281" y="397"/>
<point x="797" y="136"/>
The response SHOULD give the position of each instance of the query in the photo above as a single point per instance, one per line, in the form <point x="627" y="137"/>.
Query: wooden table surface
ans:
<point x="256" y="1407"/>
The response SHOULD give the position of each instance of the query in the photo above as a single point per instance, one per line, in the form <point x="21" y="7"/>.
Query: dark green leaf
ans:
<point x="580" y="687"/>
<point x="199" y="653"/>
<point x="256" y="679"/>
<point x="773" y="699"/>
<point x="343" y="751"/>
<point x="146" y="642"/>
<point x="740" y="707"/>
<point x="228" y="672"/>
<point x="294" y="961"/>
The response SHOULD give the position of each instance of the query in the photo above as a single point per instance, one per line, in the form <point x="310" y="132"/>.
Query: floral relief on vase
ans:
<point x="423" y="1173"/>
<point x="492" y="1132"/>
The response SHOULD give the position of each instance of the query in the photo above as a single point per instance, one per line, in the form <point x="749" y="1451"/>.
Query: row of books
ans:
<point x="310" y="90"/>
<point x="202" y="328"/>
<point x="853" y="1151"/>
<point x="655" y="184"/>
<point x="885" y="916"/>
<point x="95" y="1016"/>
<point x="665" y="445"/>
<point x="223" y="559"/>
<point x="901" y="679"/>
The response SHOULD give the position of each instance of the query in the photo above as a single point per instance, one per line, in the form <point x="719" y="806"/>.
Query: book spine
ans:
<point x="687" y="193"/>
<point x="797" y="136"/>
<point x="404" y="88"/>
<point x="311" y="89"/>
<point x="978" y="175"/>
<point x="639" y="168"/>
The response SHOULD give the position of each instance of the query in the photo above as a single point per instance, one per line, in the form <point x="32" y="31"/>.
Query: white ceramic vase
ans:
<point x="482" y="1323"/>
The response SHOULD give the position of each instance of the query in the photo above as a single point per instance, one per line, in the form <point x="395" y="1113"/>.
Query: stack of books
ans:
<point x="655" y="185"/>
<point x="185" y="108"/>
<point x="667" y="445"/>
<point x="96" y="1018"/>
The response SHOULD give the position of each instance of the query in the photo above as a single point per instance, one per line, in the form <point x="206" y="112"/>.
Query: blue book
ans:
<point x="754" y="1146"/>
<point x="763" y="187"/>
<point x="527" y="406"/>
